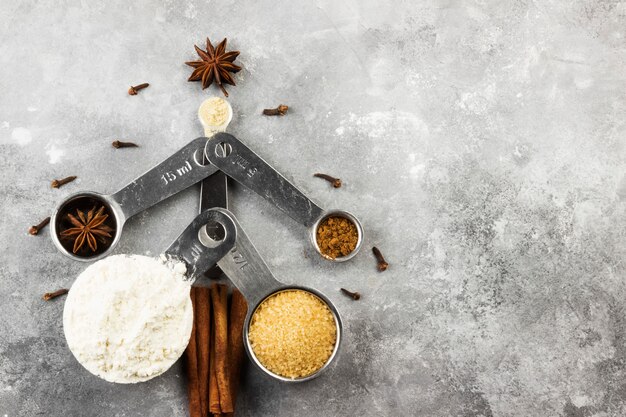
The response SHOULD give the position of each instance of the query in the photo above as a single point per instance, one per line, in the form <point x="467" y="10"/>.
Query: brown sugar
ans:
<point x="337" y="236"/>
<point x="293" y="333"/>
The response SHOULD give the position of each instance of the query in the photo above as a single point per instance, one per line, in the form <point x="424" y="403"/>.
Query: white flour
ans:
<point x="128" y="318"/>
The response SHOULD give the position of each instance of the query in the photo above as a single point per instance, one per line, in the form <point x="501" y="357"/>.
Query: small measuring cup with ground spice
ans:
<point x="337" y="235"/>
<point x="87" y="225"/>
<point x="291" y="332"/>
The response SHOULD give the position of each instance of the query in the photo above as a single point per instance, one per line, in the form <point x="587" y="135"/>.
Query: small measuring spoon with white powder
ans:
<point x="128" y="318"/>
<point x="215" y="114"/>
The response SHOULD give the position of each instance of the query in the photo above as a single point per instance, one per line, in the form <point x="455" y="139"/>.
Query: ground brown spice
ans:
<point x="337" y="236"/>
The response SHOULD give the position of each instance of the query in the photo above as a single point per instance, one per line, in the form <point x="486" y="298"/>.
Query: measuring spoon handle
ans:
<point x="239" y="162"/>
<point x="176" y="173"/>
<point x="245" y="268"/>
<point x="195" y="247"/>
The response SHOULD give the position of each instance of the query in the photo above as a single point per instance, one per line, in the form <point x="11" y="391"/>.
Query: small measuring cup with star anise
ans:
<point x="87" y="225"/>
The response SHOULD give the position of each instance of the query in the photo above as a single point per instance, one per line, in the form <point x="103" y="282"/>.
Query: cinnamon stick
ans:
<point x="238" y="311"/>
<point x="219" y="296"/>
<point x="195" y="409"/>
<point x="214" y="395"/>
<point x="203" y="333"/>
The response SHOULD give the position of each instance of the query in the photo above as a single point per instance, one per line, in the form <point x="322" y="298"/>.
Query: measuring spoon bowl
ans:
<point x="247" y="270"/>
<point x="242" y="164"/>
<point x="85" y="201"/>
<point x="346" y="215"/>
<point x="329" y="361"/>
<point x="177" y="173"/>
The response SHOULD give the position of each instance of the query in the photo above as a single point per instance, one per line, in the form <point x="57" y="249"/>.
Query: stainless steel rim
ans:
<point x="330" y="360"/>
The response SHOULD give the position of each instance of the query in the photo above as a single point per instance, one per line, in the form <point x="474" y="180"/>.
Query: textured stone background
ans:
<point x="482" y="143"/>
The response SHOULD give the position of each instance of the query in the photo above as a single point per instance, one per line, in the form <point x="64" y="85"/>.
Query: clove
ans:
<point x="278" y="111"/>
<point x="119" y="144"/>
<point x="382" y="264"/>
<point x="50" y="295"/>
<point x="134" y="89"/>
<point x="355" y="295"/>
<point x="33" y="230"/>
<point x="336" y="182"/>
<point x="63" y="181"/>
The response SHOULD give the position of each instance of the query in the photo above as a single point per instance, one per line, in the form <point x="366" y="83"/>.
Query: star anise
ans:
<point x="88" y="227"/>
<point x="214" y="65"/>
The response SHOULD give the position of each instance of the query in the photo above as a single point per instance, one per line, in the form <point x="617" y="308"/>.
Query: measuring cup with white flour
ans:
<point x="128" y="318"/>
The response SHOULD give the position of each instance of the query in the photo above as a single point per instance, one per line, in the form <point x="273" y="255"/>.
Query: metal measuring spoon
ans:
<point x="247" y="271"/>
<point x="197" y="249"/>
<point x="239" y="162"/>
<point x="213" y="189"/>
<point x="178" y="172"/>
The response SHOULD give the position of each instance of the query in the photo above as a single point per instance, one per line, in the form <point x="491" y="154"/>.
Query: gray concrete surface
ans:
<point x="482" y="143"/>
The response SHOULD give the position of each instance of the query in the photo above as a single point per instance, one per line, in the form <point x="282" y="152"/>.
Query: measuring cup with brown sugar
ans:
<point x="337" y="235"/>
<point x="87" y="225"/>
<point x="292" y="333"/>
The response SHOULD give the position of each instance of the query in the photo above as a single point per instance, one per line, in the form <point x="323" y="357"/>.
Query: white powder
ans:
<point x="215" y="114"/>
<point x="128" y="318"/>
